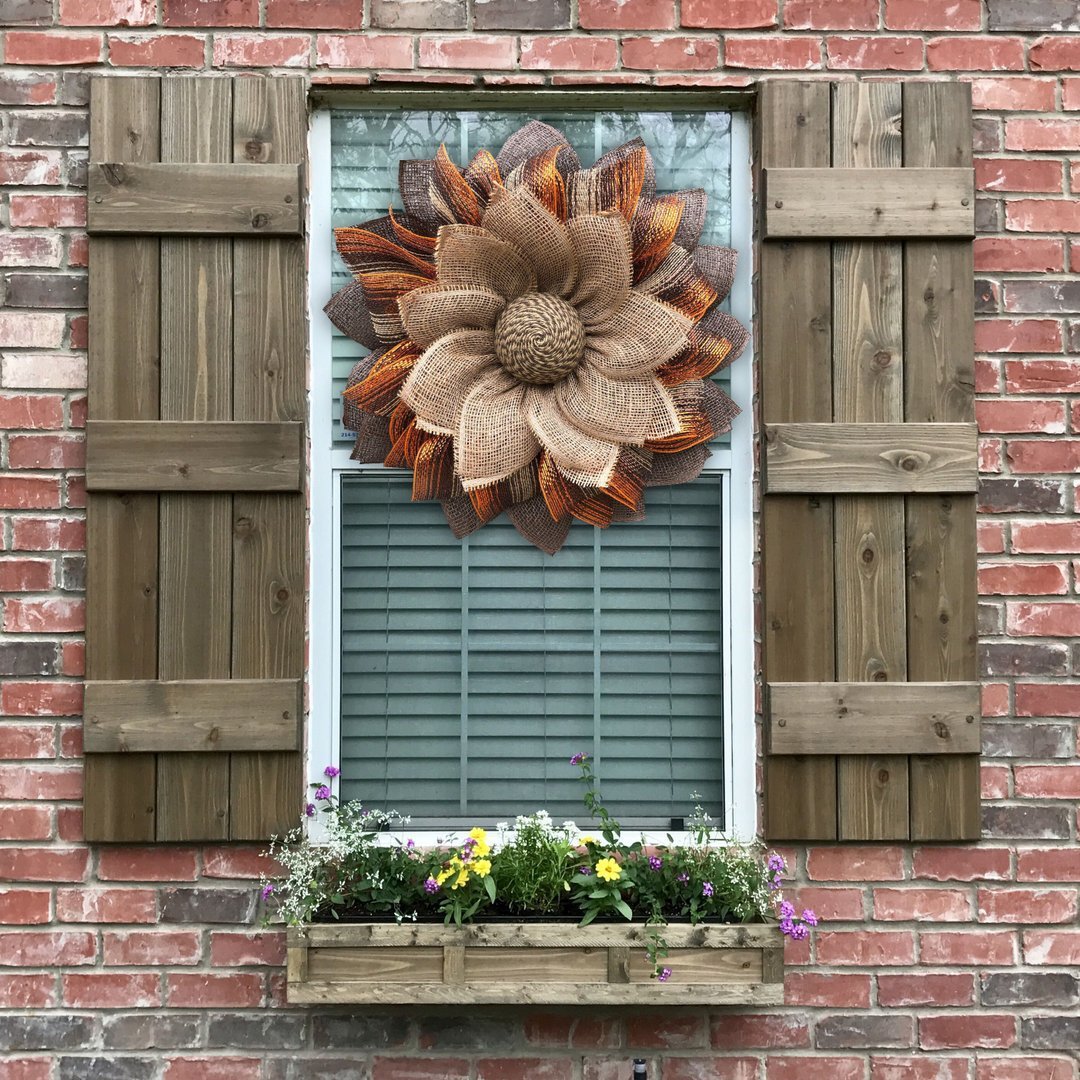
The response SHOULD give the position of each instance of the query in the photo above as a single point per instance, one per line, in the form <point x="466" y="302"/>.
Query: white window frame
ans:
<point x="328" y="463"/>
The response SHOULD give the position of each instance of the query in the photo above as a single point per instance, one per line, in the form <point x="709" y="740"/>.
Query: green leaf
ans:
<point x="589" y="916"/>
<point x="623" y="909"/>
<point x="489" y="888"/>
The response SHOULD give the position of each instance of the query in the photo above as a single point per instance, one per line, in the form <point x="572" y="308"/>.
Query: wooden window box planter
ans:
<point x="532" y="963"/>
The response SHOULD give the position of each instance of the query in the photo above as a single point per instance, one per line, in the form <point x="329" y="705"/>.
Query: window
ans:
<point x="453" y="679"/>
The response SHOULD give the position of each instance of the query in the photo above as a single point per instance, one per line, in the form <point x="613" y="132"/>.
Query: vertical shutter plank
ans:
<point x="941" y="537"/>
<point x="122" y="530"/>
<point x="797" y="531"/>
<point x="868" y="386"/>
<point x="196" y="530"/>
<point x="268" y="384"/>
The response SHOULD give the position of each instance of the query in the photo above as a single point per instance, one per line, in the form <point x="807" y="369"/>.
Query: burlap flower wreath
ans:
<point x="542" y="335"/>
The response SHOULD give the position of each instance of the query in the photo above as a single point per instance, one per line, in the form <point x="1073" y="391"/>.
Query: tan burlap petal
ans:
<point x="585" y="459"/>
<point x="519" y="218"/>
<point x="444" y="375"/>
<point x="535" y="524"/>
<point x="627" y="411"/>
<point x="678" y="468"/>
<point x="493" y="438"/>
<point x="468" y="256"/>
<point x="602" y="246"/>
<point x="430" y="312"/>
<point x="637" y="338"/>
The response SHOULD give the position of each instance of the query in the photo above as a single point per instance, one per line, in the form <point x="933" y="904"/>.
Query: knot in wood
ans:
<point x="539" y="339"/>
<point x="941" y="730"/>
<point x="253" y="150"/>
<point x="260" y="221"/>
<point x="909" y="463"/>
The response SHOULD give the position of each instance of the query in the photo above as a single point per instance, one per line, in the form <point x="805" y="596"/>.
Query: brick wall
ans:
<point x="935" y="963"/>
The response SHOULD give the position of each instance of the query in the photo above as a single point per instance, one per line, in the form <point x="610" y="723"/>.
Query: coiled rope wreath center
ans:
<point x="539" y="338"/>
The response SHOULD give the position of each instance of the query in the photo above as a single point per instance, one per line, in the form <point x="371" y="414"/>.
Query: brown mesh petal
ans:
<point x="347" y="309"/>
<point x="615" y="182"/>
<point x="717" y="265"/>
<point x="535" y="524"/>
<point x="443" y="376"/>
<point x="627" y="411"/>
<point x="637" y="338"/>
<point x="360" y="371"/>
<point x="429" y="313"/>
<point x="678" y="468"/>
<point x="704" y="411"/>
<point x="627" y="486"/>
<point x="601" y="243"/>
<point x="482" y="175"/>
<point x="693" y="219"/>
<point x="410" y="233"/>
<point x="377" y="392"/>
<point x="493" y="438"/>
<point x="450" y="193"/>
<point x="678" y="282"/>
<point x="372" y="442"/>
<point x="711" y="345"/>
<point x="414" y="182"/>
<point x="587" y="460"/>
<point x="471" y="257"/>
<point x="519" y="218"/>
<point x="719" y="408"/>
<point x="534" y="138"/>
<point x="620" y="513"/>
<point x="541" y="176"/>
<point x="460" y="516"/>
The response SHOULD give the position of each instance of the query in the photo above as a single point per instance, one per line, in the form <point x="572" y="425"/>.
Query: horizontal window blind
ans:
<point x="471" y="671"/>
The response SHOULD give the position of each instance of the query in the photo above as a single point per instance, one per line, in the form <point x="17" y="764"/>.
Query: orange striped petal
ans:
<point x="653" y="231"/>
<point x="540" y="175"/>
<point x="406" y="230"/>
<point x="627" y="485"/>
<point x="382" y="292"/>
<point x="400" y="419"/>
<point x="712" y="344"/>
<point x="378" y="392"/>
<point x="614" y="183"/>
<point x="489" y="502"/>
<point x="365" y="251"/>
<point x="565" y="499"/>
<point x="678" y="282"/>
<point x="433" y="469"/>
<point x="450" y="193"/>
<point x="695" y="427"/>
<point x="482" y="175"/>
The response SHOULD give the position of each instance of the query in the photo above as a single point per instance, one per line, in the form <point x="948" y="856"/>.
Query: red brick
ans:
<point x="47" y="211"/>
<point x="994" y="698"/>
<point x="315" y="14"/>
<point x="73" y="658"/>
<point x="1023" y="579"/>
<point x="1018" y="254"/>
<point x="228" y="949"/>
<point x="798" y="1067"/>
<point x="1021" y="416"/>
<point x="961" y="863"/>
<point x="1016" y="92"/>
<point x="211" y="12"/>
<point x="830" y="905"/>
<point x="1025" y="1068"/>
<point x="147" y="864"/>
<point x="212" y="1068"/>
<point x="27" y="741"/>
<point x="1017" y="335"/>
<point x="48" y="948"/>
<point x="1044" y="456"/>
<point x="1011" y="174"/>
<point x="1039" y="537"/>
<point x="920" y="1068"/>
<point x="157" y="50"/>
<point x="26" y="1068"/>
<point x="31" y="167"/>
<point x="1042" y="377"/>
<point x="51" y="48"/>
<point x="25" y="907"/>
<point x="106" y="905"/>
<point x="25" y="575"/>
<point x="1055" y="54"/>
<point x="1033" y="134"/>
<point x="261" y="50"/>
<point x="1058" y="619"/>
<point x="27" y="992"/>
<point x="69" y="824"/>
<point x="569" y="53"/>
<point x="854" y="863"/>
<point x="920" y="15"/>
<point x="40" y="616"/>
<point x="670" y="54"/>
<point x="831" y="14"/>
<point x="31" y="411"/>
<point x="26" y="822"/>
<point x="41" y="698"/>
<point x="47" y="452"/>
<point x="1058" y="948"/>
<point x="975" y="54"/>
<point x="711" y="1068"/>
<point x="1049" y="864"/>
<point x="237" y="861"/>
<point x="974" y="947"/>
<point x="71" y="743"/>
<point x="991" y="537"/>
<point x="729" y="14"/>
<point x="899" y="991"/>
<point x="989" y="456"/>
<point x="384" y="1068"/>
<point x="1042" y="215"/>
<point x="772" y="53"/>
<point x="875" y="53"/>
<point x="580" y="1031"/>
<point x="516" y="1068"/>
<point x="923" y="905"/>
<point x="626" y="14"/>
<point x="107" y="12"/>
<point x="43" y="864"/>
<point x="29" y="250"/>
<point x="476" y="52"/>
<point x="99" y="990"/>
<point x="865" y="948"/>
<point x="1050" y="781"/>
<point x="735" y="1031"/>
<point x="30" y="329"/>
<point x="1027" y="905"/>
<point x="827" y="990"/>
<point x="188" y="990"/>
<point x="969" y="1030"/>
<point x="152" y="948"/>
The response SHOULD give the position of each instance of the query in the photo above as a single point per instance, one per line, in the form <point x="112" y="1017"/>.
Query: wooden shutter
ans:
<point x="868" y="518"/>
<point x="195" y="449"/>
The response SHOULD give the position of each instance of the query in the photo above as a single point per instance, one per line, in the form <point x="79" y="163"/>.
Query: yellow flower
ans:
<point x="481" y="847"/>
<point x="481" y="867"/>
<point x="461" y="879"/>
<point x="443" y="875"/>
<point x="609" y="870"/>
<point x="586" y="840"/>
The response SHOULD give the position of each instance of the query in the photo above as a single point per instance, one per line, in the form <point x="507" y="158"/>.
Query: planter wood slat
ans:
<point x="531" y="963"/>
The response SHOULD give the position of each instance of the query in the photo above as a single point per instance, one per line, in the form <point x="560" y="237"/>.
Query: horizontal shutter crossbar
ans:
<point x="189" y="455"/>
<point x="209" y="715"/>
<point x="862" y="459"/>
<point x="819" y="203"/>
<point x="873" y="718"/>
<point x="241" y="199"/>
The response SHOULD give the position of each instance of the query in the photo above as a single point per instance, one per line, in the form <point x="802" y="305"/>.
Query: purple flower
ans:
<point x="799" y="932"/>
<point x="410" y="844"/>
<point x="578" y="758"/>
<point x="682" y="878"/>
<point x="665" y="974"/>
<point x="787" y="910"/>
<point x="707" y="889"/>
<point x="774" y="883"/>
<point x="655" y="862"/>
<point x="431" y="885"/>
<point x="809" y="917"/>
<point x="322" y="792"/>
<point x="267" y="891"/>
<point x="331" y="771"/>
<point x="776" y="864"/>
<point x="787" y="928"/>
<point x="586" y="870"/>
<point x="309" y="809"/>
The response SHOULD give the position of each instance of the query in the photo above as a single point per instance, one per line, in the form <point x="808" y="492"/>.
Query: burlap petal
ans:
<point x="637" y="338"/>
<point x="535" y="524"/>
<point x="444" y="375"/>
<point x="717" y="265"/>
<point x="493" y="438"/>
<point x="460" y="516"/>
<point x="471" y="257"/>
<point x="372" y="438"/>
<point x="429" y="313"/>
<point x="534" y="138"/>
<point x="602" y="246"/>
<point x="347" y="309"/>
<point x="678" y="282"/>
<point x="615" y="182"/>
<point x="519" y="218"/>
<point x="626" y="411"/>
<point x="680" y="468"/>
<point x="587" y="460"/>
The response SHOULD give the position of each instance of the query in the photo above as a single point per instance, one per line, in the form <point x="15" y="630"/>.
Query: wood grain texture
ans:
<point x="123" y="379"/>
<point x="207" y="715"/>
<point x="194" y="199"/>
<point x="855" y="458"/>
<point x="163" y="455"/>
<point x="796" y="385"/>
<point x="873" y="718"/>
<point x="871" y="203"/>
